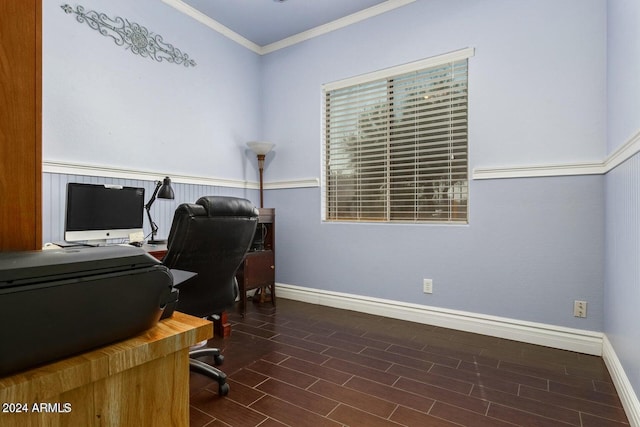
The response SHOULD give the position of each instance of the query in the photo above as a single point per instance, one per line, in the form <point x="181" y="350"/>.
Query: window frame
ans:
<point x="393" y="213"/>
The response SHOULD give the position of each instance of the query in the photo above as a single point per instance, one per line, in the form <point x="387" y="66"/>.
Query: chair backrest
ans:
<point x="210" y="237"/>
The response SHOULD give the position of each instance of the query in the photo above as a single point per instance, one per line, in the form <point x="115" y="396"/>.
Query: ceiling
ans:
<point x="265" y="22"/>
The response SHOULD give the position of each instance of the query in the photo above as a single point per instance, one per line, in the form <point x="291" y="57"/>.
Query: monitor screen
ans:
<point x="98" y="212"/>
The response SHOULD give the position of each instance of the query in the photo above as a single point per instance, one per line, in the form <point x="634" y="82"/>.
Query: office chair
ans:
<point x="210" y="238"/>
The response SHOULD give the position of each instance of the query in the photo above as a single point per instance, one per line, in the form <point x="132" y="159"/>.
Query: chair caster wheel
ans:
<point x="223" y="389"/>
<point x="218" y="359"/>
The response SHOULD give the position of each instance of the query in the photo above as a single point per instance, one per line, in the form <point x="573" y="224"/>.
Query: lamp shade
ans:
<point x="166" y="192"/>
<point x="260" y="147"/>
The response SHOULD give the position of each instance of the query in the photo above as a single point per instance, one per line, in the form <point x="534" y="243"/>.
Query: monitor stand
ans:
<point x="66" y="244"/>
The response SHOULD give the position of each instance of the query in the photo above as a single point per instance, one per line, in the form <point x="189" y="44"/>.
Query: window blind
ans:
<point x="395" y="146"/>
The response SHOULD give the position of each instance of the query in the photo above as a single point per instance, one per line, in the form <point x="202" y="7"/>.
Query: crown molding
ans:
<point x="370" y="12"/>
<point x="214" y="25"/>
<point x="336" y="25"/>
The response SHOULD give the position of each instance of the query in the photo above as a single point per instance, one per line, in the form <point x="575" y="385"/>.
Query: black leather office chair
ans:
<point x="211" y="238"/>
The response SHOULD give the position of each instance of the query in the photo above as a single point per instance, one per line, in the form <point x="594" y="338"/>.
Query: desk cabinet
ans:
<point x="257" y="271"/>
<point x="141" y="381"/>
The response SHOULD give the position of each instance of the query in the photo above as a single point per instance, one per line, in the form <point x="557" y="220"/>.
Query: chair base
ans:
<point x="208" y="370"/>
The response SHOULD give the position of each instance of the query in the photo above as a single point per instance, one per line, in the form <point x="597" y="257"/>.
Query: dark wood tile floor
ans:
<point x="307" y="365"/>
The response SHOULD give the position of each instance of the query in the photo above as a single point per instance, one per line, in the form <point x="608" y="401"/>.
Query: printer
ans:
<point x="59" y="302"/>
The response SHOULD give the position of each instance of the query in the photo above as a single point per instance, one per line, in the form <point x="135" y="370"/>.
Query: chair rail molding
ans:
<point x="620" y="155"/>
<point x="67" y="168"/>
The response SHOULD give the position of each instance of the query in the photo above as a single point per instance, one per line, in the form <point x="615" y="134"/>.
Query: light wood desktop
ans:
<point x="142" y="381"/>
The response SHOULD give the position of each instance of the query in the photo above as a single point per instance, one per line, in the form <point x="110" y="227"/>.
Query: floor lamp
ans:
<point x="261" y="148"/>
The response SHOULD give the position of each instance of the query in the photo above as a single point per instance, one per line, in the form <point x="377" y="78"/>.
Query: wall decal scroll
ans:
<point x="132" y="36"/>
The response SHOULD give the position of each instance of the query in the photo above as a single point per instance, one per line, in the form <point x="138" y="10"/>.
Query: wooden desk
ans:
<point x="156" y="251"/>
<point x="142" y="381"/>
<point x="257" y="271"/>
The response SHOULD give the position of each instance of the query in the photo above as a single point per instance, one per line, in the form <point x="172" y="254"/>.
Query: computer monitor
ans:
<point x="100" y="212"/>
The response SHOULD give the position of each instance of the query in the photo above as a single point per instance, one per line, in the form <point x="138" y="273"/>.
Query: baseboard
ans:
<point x="627" y="395"/>
<point x="578" y="340"/>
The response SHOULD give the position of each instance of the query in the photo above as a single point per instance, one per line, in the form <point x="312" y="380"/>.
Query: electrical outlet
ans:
<point x="580" y="308"/>
<point x="427" y="286"/>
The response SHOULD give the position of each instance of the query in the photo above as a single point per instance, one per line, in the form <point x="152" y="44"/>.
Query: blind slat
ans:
<point x="395" y="149"/>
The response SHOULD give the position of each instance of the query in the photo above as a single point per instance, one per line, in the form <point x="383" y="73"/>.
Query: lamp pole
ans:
<point x="154" y="227"/>
<point x="163" y="190"/>
<point x="261" y="170"/>
<point x="260" y="148"/>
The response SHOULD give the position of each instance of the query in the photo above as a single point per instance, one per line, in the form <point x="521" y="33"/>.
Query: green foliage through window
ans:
<point x="395" y="148"/>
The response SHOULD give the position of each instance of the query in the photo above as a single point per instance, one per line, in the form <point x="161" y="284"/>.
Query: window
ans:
<point x="395" y="144"/>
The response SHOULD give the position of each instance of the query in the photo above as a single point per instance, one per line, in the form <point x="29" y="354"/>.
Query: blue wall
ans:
<point x="105" y="106"/>
<point x="622" y="284"/>
<point x="536" y="96"/>
<point x="537" y="82"/>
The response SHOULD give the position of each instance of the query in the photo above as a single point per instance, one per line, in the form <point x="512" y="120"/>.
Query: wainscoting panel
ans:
<point x="54" y="188"/>
<point x="622" y="281"/>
